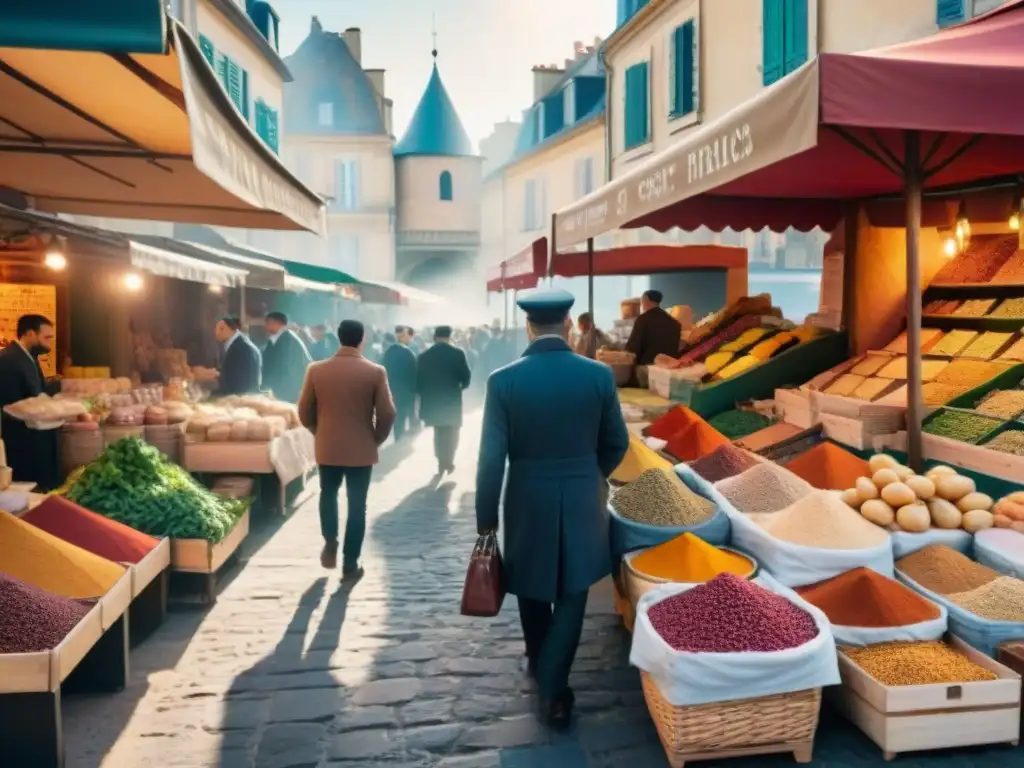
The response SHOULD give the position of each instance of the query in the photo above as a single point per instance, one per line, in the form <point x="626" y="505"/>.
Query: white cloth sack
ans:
<point x="905" y="543"/>
<point x="686" y="679"/>
<point x="794" y="565"/>
<point x="909" y="633"/>
<point x="992" y="548"/>
<point x="292" y="454"/>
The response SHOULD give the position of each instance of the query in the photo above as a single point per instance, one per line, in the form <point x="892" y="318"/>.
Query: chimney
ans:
<point x="315" y="26"/>
<point x="544" y="79"/>
<point x="354" y="40"/>
<point x="377" y="78"/>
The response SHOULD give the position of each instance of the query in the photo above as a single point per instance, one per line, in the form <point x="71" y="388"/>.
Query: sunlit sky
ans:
<point x="487" y="47"/>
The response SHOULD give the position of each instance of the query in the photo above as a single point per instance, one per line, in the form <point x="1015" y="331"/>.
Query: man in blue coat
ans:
<point x="555" y="417"/>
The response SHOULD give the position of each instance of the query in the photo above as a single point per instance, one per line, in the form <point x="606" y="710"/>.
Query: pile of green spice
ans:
<point x="658" y="498"/>
<point x="965" y="426"/>
<point x="1009" y="308"/>
<point x="1002" y="403"/>
<point x="975" y="308"/>
<point x="739" y="423"/>
<point x="1011" y="441"/>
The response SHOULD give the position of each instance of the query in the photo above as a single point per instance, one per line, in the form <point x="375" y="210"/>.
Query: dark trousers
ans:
<point x="552" y="634"/>
<point x="404" y="411"/>
<point x="446" y="442"/>
<point x="357" y="485"/>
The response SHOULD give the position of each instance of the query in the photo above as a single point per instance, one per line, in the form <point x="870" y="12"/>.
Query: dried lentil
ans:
<point x="922" y="663"/>
<point x="32" y="619"/>
<point x="1014" y="353"/>
<point x="965" y="426"/>
<point x="929" y="337"/>
<point x="870" y="365"/>
<point x="874" y="388"/>
<point x="936" y="393"/>
<point x="945" y="571"/>
<point x="1004" y="403"/>
<point x="970" y="373"/>
<point x="725" y="461"/>
<point x="823" y="521"/>
<point x="739" y="423"/>
<point x="655" y="498"/>
<point x="1012" y="271"/>
<point x="941" y="307"/>
<point x="953" y="343"/>
<point x="987" y="346"/>
<point x="1011" y="441"/>
<point x="731" y="615"/>
<point x="1001" y="599"/>
<point x="845" y="385"/>
<point x="764" y="488"/>
<point x="975" y="308"/>
<point x="1009" y="308"/>
<point x="982" y="260"/>
<point x="864" y="598"/>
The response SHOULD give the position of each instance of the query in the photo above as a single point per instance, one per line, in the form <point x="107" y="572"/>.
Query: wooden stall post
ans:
<point x="590" y="275"/>
<point x="913" y="179"/>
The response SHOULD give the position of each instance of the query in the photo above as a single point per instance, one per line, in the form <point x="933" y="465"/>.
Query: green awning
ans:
<point x="317" y="273"/>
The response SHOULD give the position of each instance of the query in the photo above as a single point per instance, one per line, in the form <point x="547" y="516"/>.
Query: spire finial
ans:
<point x="433" y="26"/>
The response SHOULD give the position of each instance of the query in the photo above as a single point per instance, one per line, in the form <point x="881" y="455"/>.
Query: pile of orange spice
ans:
<point x="689" y="559"/>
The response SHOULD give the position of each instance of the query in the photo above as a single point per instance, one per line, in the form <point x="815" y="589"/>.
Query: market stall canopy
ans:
<point x="830" y="132"/>
<point x="259" y="273"/>
<point x="494" y="275"/>
<point x="648" y="259"/>
<point x="407" y="294"/>
<point x="150" y="136"/>
<point x="526" y="268"/>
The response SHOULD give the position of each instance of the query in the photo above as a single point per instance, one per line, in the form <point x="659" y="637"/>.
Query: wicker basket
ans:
<point x="635" y="584"/>
<point x="759" y="726"/>
<point x="166" y="438"/>
<point x="79" y="447"/>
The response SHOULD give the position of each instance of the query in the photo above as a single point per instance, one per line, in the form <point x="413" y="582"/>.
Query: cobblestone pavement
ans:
<point x="288" y="670"/>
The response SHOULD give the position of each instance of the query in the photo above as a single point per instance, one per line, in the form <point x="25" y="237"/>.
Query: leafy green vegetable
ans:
<point x="133" y="483"/>
<point x="739" y="423"/>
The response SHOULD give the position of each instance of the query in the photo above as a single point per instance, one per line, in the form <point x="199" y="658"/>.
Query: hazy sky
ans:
<point x="487" y="47"/>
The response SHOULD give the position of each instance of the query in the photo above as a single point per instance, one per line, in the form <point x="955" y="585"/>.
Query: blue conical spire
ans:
<point x="435" y="128"/>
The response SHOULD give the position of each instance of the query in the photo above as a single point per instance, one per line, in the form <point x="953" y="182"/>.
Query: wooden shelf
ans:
<point x="973" y="291"/>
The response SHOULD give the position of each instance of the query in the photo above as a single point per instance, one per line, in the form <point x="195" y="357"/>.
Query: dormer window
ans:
<point x="570" y="103"/>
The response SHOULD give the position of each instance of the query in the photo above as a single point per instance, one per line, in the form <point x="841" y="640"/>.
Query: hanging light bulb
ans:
<point x="1014" y="221"/>
<point x="950" y="247"/>
<point x="133" y="282"/>
<point x="216" y="289"/>
<point x="963" y="227"/>
<point x="55" y="260"/>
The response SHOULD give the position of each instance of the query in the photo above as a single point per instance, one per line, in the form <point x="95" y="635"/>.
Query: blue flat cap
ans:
<point x="545" y="306"/>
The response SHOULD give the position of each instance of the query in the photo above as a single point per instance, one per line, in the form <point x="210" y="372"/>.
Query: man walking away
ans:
<point x="400" y="363"/>
<point x="655" y="332"/>
<point x="555" y="417"/>
<point x="591" y="337"/>
<point x="240" y="362"/>
<point x="346" y="403"/>
<point x="284" y="359"/>
<point x="441" y="374"/>
<point x="325" y="342"/>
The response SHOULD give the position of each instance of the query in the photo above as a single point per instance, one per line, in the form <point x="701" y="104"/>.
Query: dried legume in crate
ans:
<point x="1011" y="441"/>
<point x="1015" y="353"/>
<point x="922" y="663"/>
<point x="975" y="308"/>
<point x="1002" y="403"/>
<point x="982" y="259"/>
<point x="870" y="365"/>
<point x="953" y="343"/>
<point x="987" y="346"/>
<point x="964" y="426"/>
<point x="941" y="307"/>
<point x="970" y="373"/>
<point x="1000" y="600"/>
<point x="1009" y="308"/>
<point x="845" y="385"/>
<point x="929" y="337"/>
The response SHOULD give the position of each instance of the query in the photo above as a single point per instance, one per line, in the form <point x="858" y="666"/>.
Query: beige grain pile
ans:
<point x="845" y="385"/>
<point x="822" y="520"/>
<point x="870" y="365"/>
<point x="763" y="489"/>
<point x="999" y="600"/>
<point x="656" y="498"/>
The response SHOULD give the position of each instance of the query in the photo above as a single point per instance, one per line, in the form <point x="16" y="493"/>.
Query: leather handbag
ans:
<point x="484" y="590"/>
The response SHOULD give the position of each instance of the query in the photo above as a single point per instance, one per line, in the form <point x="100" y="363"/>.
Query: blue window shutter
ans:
<point x="244" y="106"/>
<point x="260" y="119"/>
<point x="645" y="102"/>
<point x="272" y="130"/>
<point x="673" y="73"/>
<point x="949" y="12"/>
<point x="795" y="34"/>
<point x="222" y="72"/>
<point x="685" y="63"/>
<point x="772" y="61"/>
<point x="636" y="120"/>
<point x="206" y="46"/>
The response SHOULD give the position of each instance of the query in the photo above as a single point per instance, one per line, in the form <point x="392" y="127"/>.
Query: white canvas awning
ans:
<point x="165" y="263"/>
<point x="146" y="136"/>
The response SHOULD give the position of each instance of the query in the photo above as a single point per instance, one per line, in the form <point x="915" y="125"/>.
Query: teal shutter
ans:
<point x="683" y="49"/>
<point x="795" y="34"/>
<point x="637" y="123"/>
<point x="272" y="136"/>
<point x="244" y="106"/>
<point x="772" y="60"/>
<point x="260" y="118"/>
<point x="222" y="72"/>
<point x="206" y="46"/>
<point x="235" y="83"/>
<point x="949" y="12"/>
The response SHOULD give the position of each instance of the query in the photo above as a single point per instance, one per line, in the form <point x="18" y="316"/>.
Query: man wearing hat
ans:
<point x="442" y="373"/>
<point x="555" y="417"/>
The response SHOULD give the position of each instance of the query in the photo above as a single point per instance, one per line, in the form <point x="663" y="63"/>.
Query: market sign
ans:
<point x="781" y="121"/>
<point x="17" y="299"/>
<point x="125" y="26"/>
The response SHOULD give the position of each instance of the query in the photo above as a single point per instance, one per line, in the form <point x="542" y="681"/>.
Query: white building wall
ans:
<point x="419" y="203"/>
<point x="492" y="220"/>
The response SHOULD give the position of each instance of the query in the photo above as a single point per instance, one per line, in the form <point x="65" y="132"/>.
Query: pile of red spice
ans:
<point x="864" y="598"/>
<point x="731" y="615"/>
<point x="725" y="461"/>
<point x="979" y="263"/>
<point x="688" y="437"/>
<point x="828" y="467"/>
<point x="90" y="531"/>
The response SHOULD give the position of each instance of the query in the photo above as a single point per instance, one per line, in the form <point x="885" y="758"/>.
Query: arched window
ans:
<point x="446" y="185"/>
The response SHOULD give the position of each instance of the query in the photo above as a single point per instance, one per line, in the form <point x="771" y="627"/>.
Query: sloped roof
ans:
<point x="325" y="71"/>
<point x="435" y="128"/>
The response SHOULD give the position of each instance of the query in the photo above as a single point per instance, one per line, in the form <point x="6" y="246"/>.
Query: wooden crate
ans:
<point x="917" y="718"/>
<point x="202" y="556"/>
<point x="43" y="672"/>
<point x="114" y="604"/>
<point x="151" y="566"/>
<point x="224" y="458"/>
<point x="976" y="458"/>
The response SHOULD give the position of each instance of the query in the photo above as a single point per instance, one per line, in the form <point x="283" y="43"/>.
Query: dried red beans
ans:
<point x="731" y="615"/>
<point x="724" y="462"/>
<point x="32" y="619"/>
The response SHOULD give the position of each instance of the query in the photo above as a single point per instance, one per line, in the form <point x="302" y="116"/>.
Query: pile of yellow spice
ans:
<point x="921" y="663"/>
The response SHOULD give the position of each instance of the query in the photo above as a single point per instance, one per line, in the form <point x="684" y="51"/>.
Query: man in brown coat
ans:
<point x="347" y="404"/>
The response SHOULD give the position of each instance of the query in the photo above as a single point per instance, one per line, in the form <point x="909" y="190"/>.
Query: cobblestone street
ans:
<point x="289" y="671"/>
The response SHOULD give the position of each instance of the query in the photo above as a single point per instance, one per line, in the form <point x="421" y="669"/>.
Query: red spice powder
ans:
<point x="829" y="467"/>
<point x="688" y="436"/>
<point x="90" y="531"/>
<point x="863" y="598"/>
<point x="671" y="422"/>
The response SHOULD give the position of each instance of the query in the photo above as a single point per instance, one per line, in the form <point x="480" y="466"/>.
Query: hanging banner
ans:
<point x="17" y="300"/>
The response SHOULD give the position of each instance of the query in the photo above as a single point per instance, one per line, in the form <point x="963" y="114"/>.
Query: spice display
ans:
<point x="764" y="488"/>
<point x="735" y="368"/>
<point x="690" y="559"/>
<point x="828" y="466"/>
<point x="965" y="426"/>
<point x="765" y="350"/>
<point x="929" y="337"/>
<point x="1015" y="353"/>
<point x="672" y="421"/>
<point x="845" y="385"/>
<point x="1002" y="403"/>
<point x="1001" y="599"/>
<point x="731" y="615"/>
<point x="38" y="558"/>
<point x="975" y="308"/>
<point x="969" y="374"/>
<point x="821" y="520"/>
<point x="739" y="423"/>
<point x="725" y="461"/>
<point x="716" y="361"/>
<point x="865" y="598"/>
<point x="987" y="346"/>
<point x="769" y="436"/>
<point x="132" y="483"/>
<point x="941" y="307"/>
<point x="1009" y="308"/>
<point x="655" y="498"/>
<point x="897" y="369"/>
<point x="870" y="365"/>
<point x="1012" y="271"/>
<point x="638" y="459"/>
<point x="34" y="620"/>
<point x="707" y="344"/>
<point x="90" y="531"/>
<point x="921" y="663"/>
<point x="936" y="393"/>
<point x="874" y="388"/>
<point x="984" y="256"/>
<point x="696" y="439"/>
<point x="746" y="339"/>
<point x="945" y="571"/>
<point x="1009" y="512"/>
<point x="953" y="343"/>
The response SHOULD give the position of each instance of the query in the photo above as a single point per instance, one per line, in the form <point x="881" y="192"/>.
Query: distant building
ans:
<point x="498" y="148"/>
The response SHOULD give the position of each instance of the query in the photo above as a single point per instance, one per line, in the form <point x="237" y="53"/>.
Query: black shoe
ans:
<point x="530" y="668"/>
<point x="350" y="569"/>
<point x="557" y="714"/>
<point x="329" y="555"/>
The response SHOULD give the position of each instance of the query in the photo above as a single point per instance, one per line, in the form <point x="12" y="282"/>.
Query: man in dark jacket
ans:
<point x="325" y="343"/>
<point x="400" y="363"/>
<point x="31" y="453"/>
<point x="655" y="332"/>
<point x="442" y="372"/>
<point x="285" y="359"/>
<point x="240" y="362"/>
